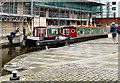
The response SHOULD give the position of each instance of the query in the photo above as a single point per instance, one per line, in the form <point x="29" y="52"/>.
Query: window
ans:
<point x="81" y="32"/>
<point x="54" y="31"/>
<point x="73" y="30"/>
<point x="113" y="3"/>
<point x="66" y="31"/>
<point x="114" y="14"/>
<point x="113" y="8"/>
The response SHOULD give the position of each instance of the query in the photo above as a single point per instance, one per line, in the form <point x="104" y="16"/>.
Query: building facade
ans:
<point x="111" y="12"/>
<point x="111" y="9"/>
<point x="30" y="14"/>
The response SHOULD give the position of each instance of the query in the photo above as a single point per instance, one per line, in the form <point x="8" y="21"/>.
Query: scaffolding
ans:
<point x="60" y="13"/>
<point x="56" y="9"/>
<point x="55" y="13"/>
<point x="13" y="14"/>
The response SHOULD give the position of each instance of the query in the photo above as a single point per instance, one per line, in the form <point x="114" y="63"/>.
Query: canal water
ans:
<point x="10" y="52"/>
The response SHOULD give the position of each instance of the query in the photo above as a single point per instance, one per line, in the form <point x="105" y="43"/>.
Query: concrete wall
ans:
<point x="42" y="21"/>
<point x="39" y="21"/>
<point x="36" y="21"/>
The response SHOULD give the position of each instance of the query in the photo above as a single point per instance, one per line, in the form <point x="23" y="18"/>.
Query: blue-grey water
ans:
<point x="7" y="54"/>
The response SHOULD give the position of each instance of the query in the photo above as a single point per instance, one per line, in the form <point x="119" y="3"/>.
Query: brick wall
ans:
<point x="108" y="21"/>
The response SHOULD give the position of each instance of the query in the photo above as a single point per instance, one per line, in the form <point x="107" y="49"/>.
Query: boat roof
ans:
<point x="40" y="27"/>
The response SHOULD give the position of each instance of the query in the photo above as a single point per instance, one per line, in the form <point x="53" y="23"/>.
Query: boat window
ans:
<point x="54" y="31"/>
<point x="38" y="31"/>
<point x="73" y="30"/>
<point x="81" y="32"/>
<point x="41" y="32"/>
<point x="89" y="30"/>
<point x="66" y="31"/>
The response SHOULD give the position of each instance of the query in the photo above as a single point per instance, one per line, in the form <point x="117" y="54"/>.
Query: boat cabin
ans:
<point x="69" y="31"/>
<point x="40" y="31"/>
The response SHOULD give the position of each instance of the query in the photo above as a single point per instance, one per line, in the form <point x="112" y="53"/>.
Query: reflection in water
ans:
<point x="8" y="54"/>
<point x="12" y="52"/>
<point x="23" y="50"/>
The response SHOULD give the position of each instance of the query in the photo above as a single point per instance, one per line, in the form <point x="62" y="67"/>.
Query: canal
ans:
<point x="10" y="52"/>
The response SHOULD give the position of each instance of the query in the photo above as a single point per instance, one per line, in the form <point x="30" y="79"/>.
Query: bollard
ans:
<point x="46" y="47"/>
<point x="14" y="72"/>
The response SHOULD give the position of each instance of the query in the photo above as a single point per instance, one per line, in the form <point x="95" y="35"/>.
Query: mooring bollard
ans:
<point x="46" y="47"/>
<point x="15" y="77"/>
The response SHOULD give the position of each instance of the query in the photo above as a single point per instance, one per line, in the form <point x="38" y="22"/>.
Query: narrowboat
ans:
<point x="48" y="35"/>
<point x="43" y="35"/>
